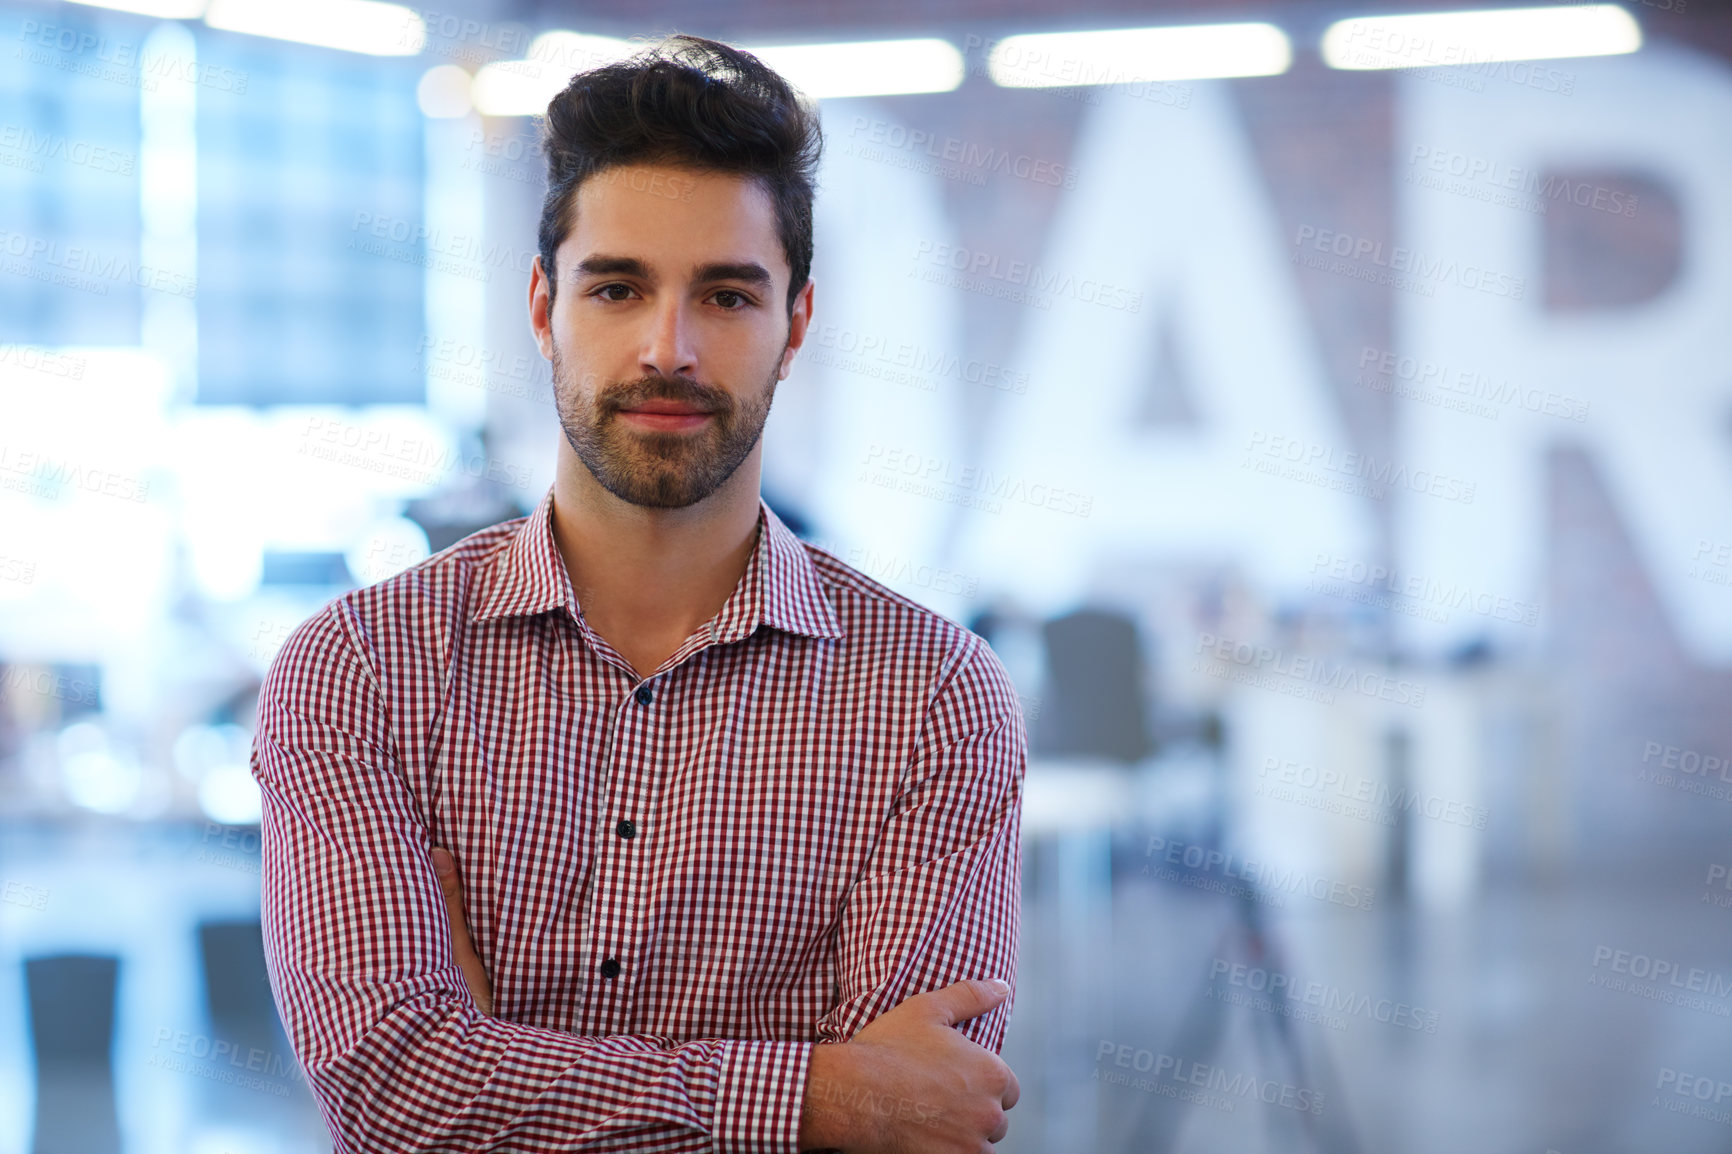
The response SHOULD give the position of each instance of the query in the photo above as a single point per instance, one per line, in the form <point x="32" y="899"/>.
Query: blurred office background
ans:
<point x="1325" y="418"/>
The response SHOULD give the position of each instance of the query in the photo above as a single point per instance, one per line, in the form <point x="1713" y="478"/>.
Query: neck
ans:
<point x="647" y="578"/>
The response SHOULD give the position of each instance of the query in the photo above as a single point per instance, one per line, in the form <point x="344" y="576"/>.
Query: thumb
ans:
<point x="969" y="998"/>
<point x="451" y="885"/>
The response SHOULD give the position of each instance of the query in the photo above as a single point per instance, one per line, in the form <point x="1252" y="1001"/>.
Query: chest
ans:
<point x="696" y="833"/>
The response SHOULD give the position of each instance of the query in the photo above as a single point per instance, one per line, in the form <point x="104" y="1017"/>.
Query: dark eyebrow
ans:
<point x="749" y="272"/>
<point x="612" y="266"/>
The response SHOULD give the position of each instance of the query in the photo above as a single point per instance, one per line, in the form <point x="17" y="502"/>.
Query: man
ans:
<point x="728" y="832"/>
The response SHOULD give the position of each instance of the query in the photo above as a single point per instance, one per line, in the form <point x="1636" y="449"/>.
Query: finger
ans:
<point x="445" y="869"/>
<point x="998" y="1134"/>
<point x="451" y="885"/>
<point x="969" y="998"/>
<point x="462" y="947"/>
<point x="1013" y="1091"/>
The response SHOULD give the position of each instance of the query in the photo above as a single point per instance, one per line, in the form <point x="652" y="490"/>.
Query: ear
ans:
<point x="798" y="323"/>
<point x="540" y="307"/>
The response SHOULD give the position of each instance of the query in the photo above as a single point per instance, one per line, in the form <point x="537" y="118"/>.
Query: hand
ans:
<point x="908" y="1081"/>
<point x="474" y="973"/>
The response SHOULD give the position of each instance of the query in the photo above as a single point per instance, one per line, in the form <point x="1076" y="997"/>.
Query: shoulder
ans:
<point x="414" y="615"/>
<point x="880" y="620"/>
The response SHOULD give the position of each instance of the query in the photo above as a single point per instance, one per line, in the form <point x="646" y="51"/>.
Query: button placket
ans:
<point x="634" y="775"/>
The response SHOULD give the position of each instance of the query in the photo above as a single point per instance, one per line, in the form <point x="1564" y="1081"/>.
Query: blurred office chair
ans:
<point x="237" y="987"/>
<point x="71" y="1000"/>
<point x="1095" y="703"/>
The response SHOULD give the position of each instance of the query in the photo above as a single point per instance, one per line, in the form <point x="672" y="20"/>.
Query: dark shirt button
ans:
<point x="610" y="969"/>
<point x="625" y="829"/>
<point x="645" y="695"/>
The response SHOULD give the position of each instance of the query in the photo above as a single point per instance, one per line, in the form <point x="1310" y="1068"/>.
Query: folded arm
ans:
<point x="932" y="918"/>
<point x="358" y="944"/>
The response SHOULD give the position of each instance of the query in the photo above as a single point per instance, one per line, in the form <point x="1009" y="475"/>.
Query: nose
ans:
<point x="667" y="344"/>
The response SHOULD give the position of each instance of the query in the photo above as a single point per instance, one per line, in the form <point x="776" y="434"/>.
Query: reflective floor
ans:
<point x="1154" y="1014"/>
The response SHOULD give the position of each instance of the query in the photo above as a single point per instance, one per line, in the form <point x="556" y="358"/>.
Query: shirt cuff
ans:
<point x="758" y="1100"/>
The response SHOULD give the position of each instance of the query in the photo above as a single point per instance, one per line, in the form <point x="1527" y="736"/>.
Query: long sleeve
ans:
<point x="939" y="898"/>
<point x="358" y="947"/>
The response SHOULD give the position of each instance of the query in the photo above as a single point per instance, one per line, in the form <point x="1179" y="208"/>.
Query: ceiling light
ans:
<point x="161" y="9"/>
<point x="443" y="93"/>
<point x="524" y="87"/>
<point x="1458" y="38"/>
<point x="866" y="67"/>
<point x="1139" y="55"/>
<point x="366" y="26"/>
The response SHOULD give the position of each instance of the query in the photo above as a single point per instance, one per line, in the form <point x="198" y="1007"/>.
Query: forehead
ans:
<point x="674" y="217"/>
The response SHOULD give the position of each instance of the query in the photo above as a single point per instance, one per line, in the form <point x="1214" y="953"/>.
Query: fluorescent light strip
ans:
<point x="524" y="87"/>
<point x="366" y="26"/>
<point x="1139" y="55"/>
<point x="862" y="68"/>
<point x="866" y="67"/>
<point x="1489" y="37"/>
<point x="161" y="9"/>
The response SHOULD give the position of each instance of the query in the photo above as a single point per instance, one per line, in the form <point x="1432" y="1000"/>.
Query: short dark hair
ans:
<point x="689" y="101"/>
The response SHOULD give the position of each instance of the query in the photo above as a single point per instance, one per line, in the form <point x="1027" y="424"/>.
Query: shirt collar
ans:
<point x="779" y="588"/>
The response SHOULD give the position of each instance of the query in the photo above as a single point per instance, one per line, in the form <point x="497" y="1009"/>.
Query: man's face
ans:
<point x="669" y="330"/>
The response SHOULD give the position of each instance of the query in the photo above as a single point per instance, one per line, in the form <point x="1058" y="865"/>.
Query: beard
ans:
<point x="655" y="468"/>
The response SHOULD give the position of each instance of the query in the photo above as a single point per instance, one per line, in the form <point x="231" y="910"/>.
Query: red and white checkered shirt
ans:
<point x="678" y="884"/>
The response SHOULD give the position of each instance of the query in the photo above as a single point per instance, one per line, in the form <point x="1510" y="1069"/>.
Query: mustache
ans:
<point x="680" y="389"/>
